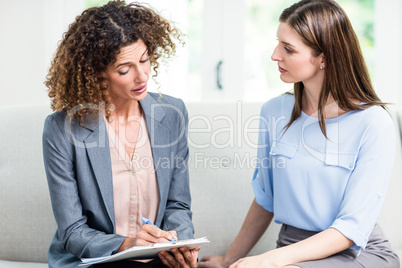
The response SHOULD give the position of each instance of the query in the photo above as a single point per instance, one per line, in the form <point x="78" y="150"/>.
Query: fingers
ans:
<point x="196" y="249"/>
<point x="173" y="234"/>
<point x="190" y="256"/>
<point x="194" y="253"/>
<point x="151" y="234"/>
<point x="212" y="262"/>
<point x="156" y="232"/>
<point x="167" y="259"/>
<point x="181" y="258"/>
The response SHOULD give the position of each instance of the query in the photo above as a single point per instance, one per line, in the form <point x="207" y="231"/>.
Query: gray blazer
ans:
<point x="78" y="169"/>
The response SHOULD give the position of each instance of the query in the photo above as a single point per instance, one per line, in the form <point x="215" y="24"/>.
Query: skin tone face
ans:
<point x="296" y="62"/>
<point x="128" y="76"/>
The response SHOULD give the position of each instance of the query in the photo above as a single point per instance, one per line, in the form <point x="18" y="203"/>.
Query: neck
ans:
<point x="311" y="98"/>
<point x="312" y="90"/>
<point x="126" y="109"/>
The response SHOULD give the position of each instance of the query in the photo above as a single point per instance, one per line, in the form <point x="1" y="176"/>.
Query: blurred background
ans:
<point x="227" y="53"/>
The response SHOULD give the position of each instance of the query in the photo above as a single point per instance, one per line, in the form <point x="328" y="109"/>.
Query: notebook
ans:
<point x="145" y="252"/>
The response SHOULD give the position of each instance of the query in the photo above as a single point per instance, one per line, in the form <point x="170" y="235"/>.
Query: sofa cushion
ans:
<point x="27" y="223"/>
<point x="222" y="140"/>
<point x="10" y="264"/>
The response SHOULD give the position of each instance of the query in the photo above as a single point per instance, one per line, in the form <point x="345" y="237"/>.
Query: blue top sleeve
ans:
<point x="262" y="179"/>
<point x="368" y="183"/>
<point x="314" y="183"/>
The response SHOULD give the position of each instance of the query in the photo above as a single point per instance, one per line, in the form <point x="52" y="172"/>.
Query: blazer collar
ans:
<point x="159" y="136"/>
<point x="152" y="107"/>
<point x="97" y="146"/>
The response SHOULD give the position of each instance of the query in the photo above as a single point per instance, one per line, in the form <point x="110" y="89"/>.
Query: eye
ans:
<point x="288" y="50"/>
<point x="123" y="71"/>
<point x="144" y="61"/>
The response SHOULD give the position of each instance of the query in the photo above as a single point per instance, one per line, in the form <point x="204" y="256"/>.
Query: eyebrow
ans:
<point x="287" y="44"/>
<point x="125" y="63"/>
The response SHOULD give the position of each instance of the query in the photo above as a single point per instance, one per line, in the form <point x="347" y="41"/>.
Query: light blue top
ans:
<point x="314" y="183"/>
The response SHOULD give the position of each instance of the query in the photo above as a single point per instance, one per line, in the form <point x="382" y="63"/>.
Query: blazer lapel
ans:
<point x="97" y="147"/>
<point x="160" y="139"/>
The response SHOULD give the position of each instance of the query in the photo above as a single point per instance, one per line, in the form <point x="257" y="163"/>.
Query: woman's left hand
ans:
<point x="181" y="258"/>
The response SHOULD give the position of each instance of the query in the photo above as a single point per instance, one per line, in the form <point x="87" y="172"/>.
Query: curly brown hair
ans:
<point x="77" y="76"/>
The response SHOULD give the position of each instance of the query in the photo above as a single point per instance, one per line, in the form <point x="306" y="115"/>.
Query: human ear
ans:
<point x="322" y="60"/>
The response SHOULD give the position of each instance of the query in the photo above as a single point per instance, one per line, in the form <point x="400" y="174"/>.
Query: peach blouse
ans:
<point x="135" y="187"/>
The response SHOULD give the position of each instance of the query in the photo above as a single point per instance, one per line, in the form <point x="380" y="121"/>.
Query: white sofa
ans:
<point x="222" y="139"/>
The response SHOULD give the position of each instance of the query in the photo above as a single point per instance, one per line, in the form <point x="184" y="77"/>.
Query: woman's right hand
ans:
<point x="213" y="262"/>
<point x="149" y="234"/>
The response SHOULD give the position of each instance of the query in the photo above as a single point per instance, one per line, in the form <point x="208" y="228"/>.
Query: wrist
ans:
<point x="129" y="242"/>
<point x="279" y="257"/>
<point x="228" y="260"/>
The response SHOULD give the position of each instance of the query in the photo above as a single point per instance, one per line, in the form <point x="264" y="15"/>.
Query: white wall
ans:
<point x="22" y="55"/>
<point x="29" y="32"/>
<point x="388" y="45"/>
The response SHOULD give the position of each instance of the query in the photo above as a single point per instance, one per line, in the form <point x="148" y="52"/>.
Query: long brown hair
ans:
<point x="324" y="26"/>
<point x="77" y="76"/>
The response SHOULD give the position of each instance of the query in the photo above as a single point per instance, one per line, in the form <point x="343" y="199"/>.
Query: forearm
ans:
<point x="129" y="242"/>
<point x="319" y="246"/>
<point x="254" y="226"/>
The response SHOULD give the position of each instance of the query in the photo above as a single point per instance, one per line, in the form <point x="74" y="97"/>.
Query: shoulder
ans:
<point x="164" y="104"/>
<point x="54" y="120"/>
<point x="373" y="117"/>
<point x="373" y="125"/>
<point x="281" y="105"/>
<point x="59" y="125"/>
<point x="55" y="133"/>
<point x="166" y="99"/>
<point x="172" y="110"/>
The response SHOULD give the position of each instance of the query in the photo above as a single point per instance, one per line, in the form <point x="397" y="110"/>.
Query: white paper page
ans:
<point x="145" y="252"/>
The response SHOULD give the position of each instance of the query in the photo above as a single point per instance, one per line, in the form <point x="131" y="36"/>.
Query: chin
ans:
<point x="141" y="96"/>
<point x="287" y="80"/>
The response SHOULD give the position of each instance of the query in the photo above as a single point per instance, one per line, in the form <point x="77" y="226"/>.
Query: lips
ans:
<point x="281" y="69"/>
<point x="140" y="89"/>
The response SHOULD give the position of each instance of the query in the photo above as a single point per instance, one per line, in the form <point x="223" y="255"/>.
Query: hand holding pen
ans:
<point x="150" y="234"/>
<point x="180" y="257"/>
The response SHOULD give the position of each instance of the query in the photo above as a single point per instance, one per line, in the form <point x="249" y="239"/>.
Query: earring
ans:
<point x="321" y="67"/>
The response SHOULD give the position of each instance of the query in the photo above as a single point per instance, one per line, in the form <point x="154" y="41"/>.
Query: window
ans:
<point x="229" y="45"/>
<point x="261" y="77"/>
<point x="182" y="75"/>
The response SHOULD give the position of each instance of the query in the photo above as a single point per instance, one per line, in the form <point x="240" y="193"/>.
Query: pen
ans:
<point x="146" y="221"/>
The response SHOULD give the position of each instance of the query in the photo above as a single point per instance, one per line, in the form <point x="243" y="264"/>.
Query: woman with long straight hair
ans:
<point x="338" y="142"/>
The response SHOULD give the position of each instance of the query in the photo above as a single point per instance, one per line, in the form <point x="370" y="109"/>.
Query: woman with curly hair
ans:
<point x="113" y="152"/>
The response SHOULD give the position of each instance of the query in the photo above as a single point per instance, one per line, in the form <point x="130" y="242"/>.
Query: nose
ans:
<point x="141" y="74"/>
<point x="275" y="55"/>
